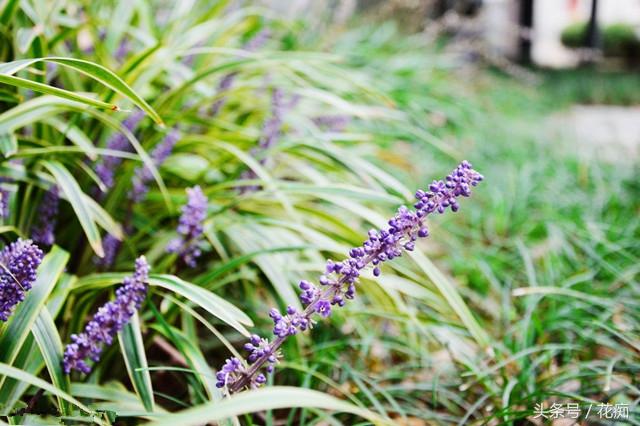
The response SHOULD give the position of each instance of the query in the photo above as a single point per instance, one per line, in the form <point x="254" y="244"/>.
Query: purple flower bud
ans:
<point x="310" y="293"/>
<point x="108" y="321"/>
<point x="289" y="324"/>
<point x="18" y="263"/>
<point x="229" y="371"/>
<point x="305" y="285"/>
<point x="255" y="339"/>
<point x="274" y="314"/>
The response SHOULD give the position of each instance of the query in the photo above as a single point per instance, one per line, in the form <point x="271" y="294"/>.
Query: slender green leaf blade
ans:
<point x="50" y="90"/>
<point x="50" y="344"/>
<point x="8" y="144"/>
<point x="76" y="198"/>
<point x="210" y="302"/>
<point x="93" y="70"/>
<point x="103" y="218"/>
<point x="265" y="399"/>
<point x="453" y="298"/>
<point x="135" y="358"/>
<point x="8" y="9"/>
<point x="109" y="79"/>
<point x="75" y="135"/>
<point x="22" y="376"/>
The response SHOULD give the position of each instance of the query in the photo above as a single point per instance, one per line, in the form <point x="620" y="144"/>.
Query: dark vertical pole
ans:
<point x="592" y="29"/>
<point x="525" y="22"/>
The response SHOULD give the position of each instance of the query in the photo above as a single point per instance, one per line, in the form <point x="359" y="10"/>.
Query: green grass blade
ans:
<point x="8" y="9"/>
<point x="93" y="70"/>
<point x="48" y="340"/>
<point x="22" y="376"/>
<point x="75" y="135"/>
<point x="109" y="79"/>
<point x="35" y="109"/>
<point x="202" y="371"/>
<point x="210" y="302"/>
<point x="50" y="90"/>
<point x="103" y="218"/>
<point x="8" y="144"/>
<point x="265" y="399"/>
<point x="135" y="358"/>
<point x="76" y="198"/>
<point x="454" y="299"/>
<point x="29" y="360"/>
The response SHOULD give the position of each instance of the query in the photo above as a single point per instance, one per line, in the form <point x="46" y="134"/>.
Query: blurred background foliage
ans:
<point x="528" y="295"/>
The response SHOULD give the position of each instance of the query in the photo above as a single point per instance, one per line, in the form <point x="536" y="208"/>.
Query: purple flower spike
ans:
<point x="338" y="284"/>
<point x="143" y="176"/>
<point x="255" y="43"/>
<point x="111" y="246"/>
<point x="43" y="232"/>
<point x="18" y="264"/>
<point x="271" y="132"/>
<point x="108" y="321"/>
<point x="118" y="142"/>
<point x="123" y="49"/>
<point x="225" y="84"/>
<point x="190" y="227"/>
<point x="333" y="123"/>
<point x="258" y="40"/>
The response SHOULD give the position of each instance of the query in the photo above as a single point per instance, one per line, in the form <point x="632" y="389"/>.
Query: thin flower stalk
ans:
<point x="338" y="284"/>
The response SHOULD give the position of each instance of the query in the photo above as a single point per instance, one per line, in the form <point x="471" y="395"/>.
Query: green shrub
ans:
<point x="575" y="35"/>
<point x="617" y="39"/>
<point x="620" y="40"/>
